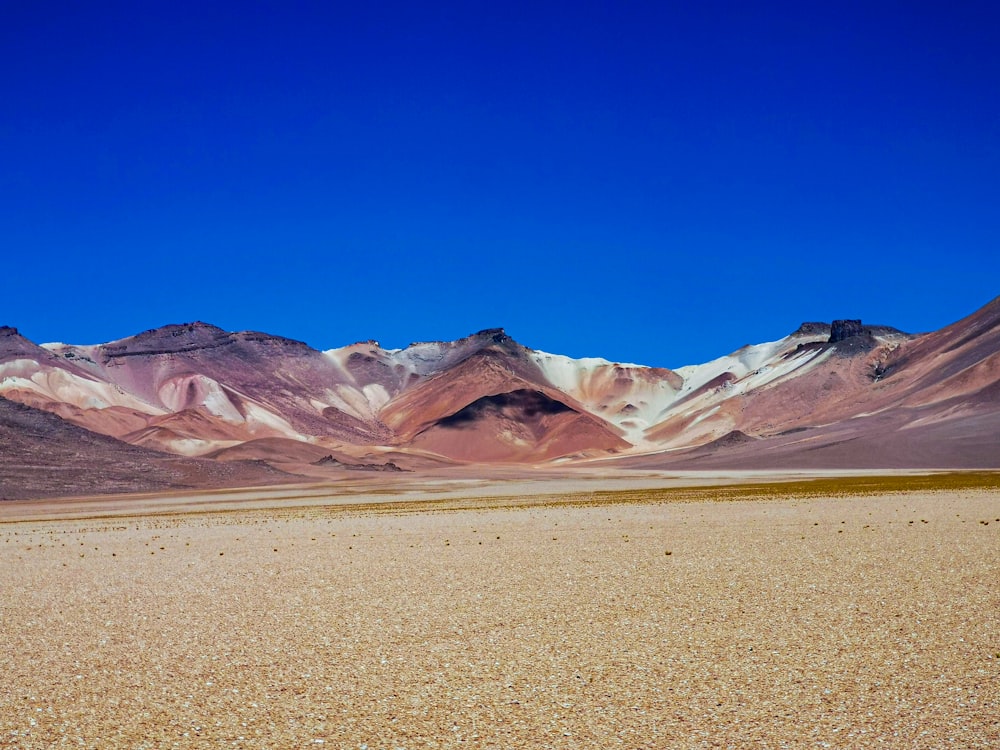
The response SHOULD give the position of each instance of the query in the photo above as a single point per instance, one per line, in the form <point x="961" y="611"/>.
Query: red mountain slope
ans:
<point x="827" y="395"/>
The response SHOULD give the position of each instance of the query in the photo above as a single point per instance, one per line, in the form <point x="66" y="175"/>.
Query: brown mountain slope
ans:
<point x="801" y="380"/>
<point x="961" y="359"/>
<point x="487" y="372"/>
<point x="932" y="401"/>
<point x="45" y="456"/>
<point x="266" y="385"/>
<point x="496" y="405"/>
<point x="884" y="441"/>
<point x="517" y="426"/>
<point x="251" y="385"/>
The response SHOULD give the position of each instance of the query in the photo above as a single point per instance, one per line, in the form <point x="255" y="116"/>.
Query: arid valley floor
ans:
<point x="852" y="612"/>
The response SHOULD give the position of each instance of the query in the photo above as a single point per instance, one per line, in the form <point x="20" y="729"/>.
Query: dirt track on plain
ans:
<point x="799" y="622"/>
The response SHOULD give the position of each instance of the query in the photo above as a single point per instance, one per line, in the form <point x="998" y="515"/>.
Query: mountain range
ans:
<point x="193" y="405"/>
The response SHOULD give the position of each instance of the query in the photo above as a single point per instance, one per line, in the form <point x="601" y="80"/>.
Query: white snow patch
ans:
<point x="258" y="416"/>
<point x="598" y="384"/>
<point x="739" y="363"/>
<point x="209" y="393"/>
<point x="62" y="385"/>
<point x="377" y="395"/>
<point x="188" y="446"/>
<point x="218" y="404"/>
<point x="352" y="400"/>
<point x="566" y="373"/>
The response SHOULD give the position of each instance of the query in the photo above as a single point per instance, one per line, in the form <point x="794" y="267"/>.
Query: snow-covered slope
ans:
<point x="632" y="397"/>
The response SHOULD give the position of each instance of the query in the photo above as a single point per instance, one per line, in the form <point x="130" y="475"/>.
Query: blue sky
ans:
<point x="650" y="182"/>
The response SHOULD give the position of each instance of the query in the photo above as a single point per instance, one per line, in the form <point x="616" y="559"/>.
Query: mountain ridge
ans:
<point x="196" y="390"/>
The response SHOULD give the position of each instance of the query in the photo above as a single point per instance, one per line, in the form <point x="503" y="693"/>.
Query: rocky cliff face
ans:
<point x="845" y="329"/>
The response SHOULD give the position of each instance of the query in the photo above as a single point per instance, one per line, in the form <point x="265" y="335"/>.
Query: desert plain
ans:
<point x="652" y="611"/>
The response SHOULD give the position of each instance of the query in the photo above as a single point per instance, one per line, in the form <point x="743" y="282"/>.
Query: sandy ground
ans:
<point x="824" y="622"/>
<point x="454" y="485"/>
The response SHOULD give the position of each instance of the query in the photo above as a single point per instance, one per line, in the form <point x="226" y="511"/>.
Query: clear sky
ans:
<point x="649" y="182"/>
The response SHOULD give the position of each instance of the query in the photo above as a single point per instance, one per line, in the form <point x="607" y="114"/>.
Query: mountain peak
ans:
<point x="842" y="329"/>
<point x="483" y="337"/>
<point x="12" y="343"/>
<point x="168" y="339"/>
<point x="178" y="338"/>
<point x="179" y="330"/>
<point x="497" y="335"/>
<point x="845" y="329"/>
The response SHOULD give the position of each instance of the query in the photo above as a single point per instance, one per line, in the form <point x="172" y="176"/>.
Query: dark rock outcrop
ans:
<point x="495" y="335"/>
<point x="329" y="460"/>
<point x="812" y="329"/>
<point x="845" y="329"/>
<point x="14" y="346"/>
<point x="191" y="338"/>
